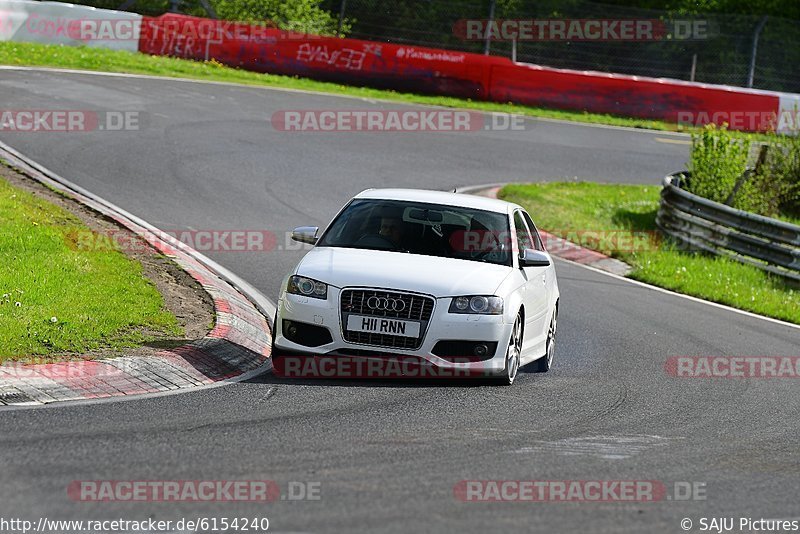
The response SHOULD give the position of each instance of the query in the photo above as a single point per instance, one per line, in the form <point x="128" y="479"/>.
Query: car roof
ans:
<point x="462" y="200"/>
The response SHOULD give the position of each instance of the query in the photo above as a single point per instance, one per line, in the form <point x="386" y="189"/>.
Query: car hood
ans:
<point x="440" y="277"/>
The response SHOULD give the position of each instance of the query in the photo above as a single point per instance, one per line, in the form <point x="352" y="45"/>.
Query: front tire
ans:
<point x="513" y="352"/>
<point x="275" y="354"/>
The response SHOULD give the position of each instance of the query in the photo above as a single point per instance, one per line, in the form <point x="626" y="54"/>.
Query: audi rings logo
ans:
<point x="386" y="304"/>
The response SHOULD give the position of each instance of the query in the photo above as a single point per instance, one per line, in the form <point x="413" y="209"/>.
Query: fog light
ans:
<point x="480" y="350"/>
<point x="292" y="331"/>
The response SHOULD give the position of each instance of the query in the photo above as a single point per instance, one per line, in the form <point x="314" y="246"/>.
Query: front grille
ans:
<point x="416" y="308"/>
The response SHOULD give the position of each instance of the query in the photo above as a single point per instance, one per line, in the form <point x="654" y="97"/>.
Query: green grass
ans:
<point x="29" y="54"/>
<point x="570" y="209"/>
<point x="55" y="298"/>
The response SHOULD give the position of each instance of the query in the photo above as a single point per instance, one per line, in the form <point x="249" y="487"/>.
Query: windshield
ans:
<point x="419" y="228"/>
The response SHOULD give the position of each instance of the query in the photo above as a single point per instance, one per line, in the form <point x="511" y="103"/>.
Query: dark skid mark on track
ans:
<point x="277" y="198"/>
<point x="619" y="400"/>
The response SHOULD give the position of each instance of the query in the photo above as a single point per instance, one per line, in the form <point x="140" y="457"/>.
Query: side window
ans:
<point x="537" y="241"/>
<point x="523" y="236"/>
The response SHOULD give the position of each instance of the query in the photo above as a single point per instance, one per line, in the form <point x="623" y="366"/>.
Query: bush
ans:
<point x="788" y="169"/>
<point x="717" y="161"/>
<point x="304" y="16"/>
<point x="774" y="188"/>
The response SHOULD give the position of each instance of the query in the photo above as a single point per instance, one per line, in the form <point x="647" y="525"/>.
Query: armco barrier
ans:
<point x="59" y="23"/>
<point x="768" y="244"/>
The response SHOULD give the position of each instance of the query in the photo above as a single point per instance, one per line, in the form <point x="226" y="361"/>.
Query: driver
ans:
<point x="393" y="227"/>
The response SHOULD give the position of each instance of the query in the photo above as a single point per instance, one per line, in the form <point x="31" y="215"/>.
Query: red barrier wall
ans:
<point x="632" y="96"/>
<point x="327" y="58"/>
<point x="429" y="70"/>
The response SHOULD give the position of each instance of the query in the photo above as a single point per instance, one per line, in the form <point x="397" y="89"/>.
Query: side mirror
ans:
<point x="305" y="234"/>
<point x="533" y="258"/>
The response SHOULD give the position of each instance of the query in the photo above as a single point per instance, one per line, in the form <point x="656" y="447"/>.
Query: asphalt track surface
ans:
<point x="388" y="455"/>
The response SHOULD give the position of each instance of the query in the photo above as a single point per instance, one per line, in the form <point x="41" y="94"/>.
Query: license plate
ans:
<point x="382" y="325"/>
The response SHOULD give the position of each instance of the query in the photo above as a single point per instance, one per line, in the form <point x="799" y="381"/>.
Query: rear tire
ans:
<point x="545" y="363"/>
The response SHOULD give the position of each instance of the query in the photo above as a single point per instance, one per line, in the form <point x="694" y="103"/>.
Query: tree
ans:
<point x="305" y="16"/>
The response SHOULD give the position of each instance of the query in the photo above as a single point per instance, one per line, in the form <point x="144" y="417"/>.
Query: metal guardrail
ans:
<point x="701" y="224"/>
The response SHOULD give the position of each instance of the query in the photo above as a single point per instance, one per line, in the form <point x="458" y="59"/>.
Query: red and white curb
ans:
<point x="558" y="247"/>
<point x="238" y="346"/>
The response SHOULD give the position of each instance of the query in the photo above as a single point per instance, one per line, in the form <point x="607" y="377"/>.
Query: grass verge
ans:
<point x="55" y="298"/>
<point x="58" y="56"/>
<point x="622" y="218"/>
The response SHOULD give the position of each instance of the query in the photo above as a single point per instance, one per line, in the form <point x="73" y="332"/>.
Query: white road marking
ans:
<point x="673" y="141"/>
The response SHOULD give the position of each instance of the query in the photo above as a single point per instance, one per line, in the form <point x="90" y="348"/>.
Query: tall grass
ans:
<point x="729" y="167"/>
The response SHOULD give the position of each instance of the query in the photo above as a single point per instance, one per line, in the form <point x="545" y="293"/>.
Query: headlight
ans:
<point x="300" y="285"/>
<point x="484" y="305"/>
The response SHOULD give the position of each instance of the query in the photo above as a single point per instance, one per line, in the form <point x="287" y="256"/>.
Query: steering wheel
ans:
<point x="376" y="241"/>
<point x="487" y="248"/>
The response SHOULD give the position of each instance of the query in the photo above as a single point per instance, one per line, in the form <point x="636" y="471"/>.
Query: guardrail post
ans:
<point x="762" y="157"/>
<point x="342" y="8"/>
<point x="488" y="39"/>
<point x="209" y="9"/>
<point x="752" y="72"/>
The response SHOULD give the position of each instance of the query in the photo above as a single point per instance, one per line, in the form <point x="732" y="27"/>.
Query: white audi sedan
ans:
<point x="457" y="282"/>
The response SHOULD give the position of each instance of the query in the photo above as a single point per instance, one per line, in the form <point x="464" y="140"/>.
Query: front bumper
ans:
<point x="442" y="326"/>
